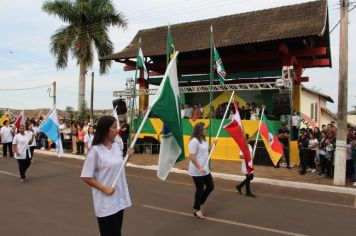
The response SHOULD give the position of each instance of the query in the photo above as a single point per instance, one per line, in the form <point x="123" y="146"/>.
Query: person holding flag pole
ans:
<point x="199" y="164"/>
<point x="235" y="129"/>
<point x="103" y="161"/>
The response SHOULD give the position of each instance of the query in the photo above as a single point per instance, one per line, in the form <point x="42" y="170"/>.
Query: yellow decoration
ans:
<point x="224" y="97"/>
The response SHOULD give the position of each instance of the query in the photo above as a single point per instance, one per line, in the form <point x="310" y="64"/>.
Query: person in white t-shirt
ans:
<point x="30" y="131"/>
<point x="295" y="125"/>
<point x="312" y="148"/>
<point x="88" y="139"/>
<point x="100" y="168"/>
<point x="21" y="146"/>
<point x="6" y="139"/>
<point x="249" y="177"/>
<point x="198" y="168"/>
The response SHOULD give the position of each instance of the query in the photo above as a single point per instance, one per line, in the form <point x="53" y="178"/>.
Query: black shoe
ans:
<point x="301" y="172"/>
<point x="238" y="189"/>
<point x="288" y="167"/>
<point x="250" y="195"/>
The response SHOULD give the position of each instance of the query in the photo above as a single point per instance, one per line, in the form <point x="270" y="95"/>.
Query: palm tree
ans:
<point x="88" y="23"/>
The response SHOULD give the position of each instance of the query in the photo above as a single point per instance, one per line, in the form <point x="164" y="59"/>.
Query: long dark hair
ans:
<point x="102" y="129"/>
<point x="198" y="132"/>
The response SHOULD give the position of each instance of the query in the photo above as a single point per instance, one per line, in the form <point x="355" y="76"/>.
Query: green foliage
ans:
<point x="87" y="27"/>
<point x="70" y="111"/>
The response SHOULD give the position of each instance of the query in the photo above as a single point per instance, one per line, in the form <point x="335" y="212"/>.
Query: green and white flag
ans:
<point x="166" y="107"/>
<point x="141" y="64"/>
<point x="219" y="67"/>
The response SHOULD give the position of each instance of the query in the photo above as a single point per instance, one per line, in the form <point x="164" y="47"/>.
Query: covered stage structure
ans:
<point x="264" y="52"/>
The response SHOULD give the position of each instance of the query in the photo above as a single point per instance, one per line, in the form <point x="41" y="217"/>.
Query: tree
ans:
<point x="88" y="24"/>
<point x="83" y="113"/>
<point x="70" y="111"/>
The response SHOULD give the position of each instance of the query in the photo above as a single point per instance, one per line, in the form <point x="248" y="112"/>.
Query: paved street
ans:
<point x="56" y="202"/>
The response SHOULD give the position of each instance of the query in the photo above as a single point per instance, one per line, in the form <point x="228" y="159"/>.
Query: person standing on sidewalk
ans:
<point x="283" y="137"/>
<point x="100" y="168"/>
<point x="249" y="177"/>
<point x="313" y="147"/>
<point x="6" y="138"/>
<point x="21" y="147"/>
<point x="303" y="142"/>
<point x="199" y="156"/>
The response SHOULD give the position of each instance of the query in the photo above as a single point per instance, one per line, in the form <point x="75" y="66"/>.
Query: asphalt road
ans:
<point x="56" y="202"/>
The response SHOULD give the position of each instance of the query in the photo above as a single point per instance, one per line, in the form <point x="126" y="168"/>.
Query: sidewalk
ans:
<point x="231" y="170"/>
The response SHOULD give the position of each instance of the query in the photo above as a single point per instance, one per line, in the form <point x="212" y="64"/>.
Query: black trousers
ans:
<point x="23" y="165"/>
<point x="303" y="157"/>
<point x="111" y="225"/>
<point x="311" y="159"/>
<point x="323" y="163"/>
<point x="201" y="193"/>
<point x="295" y="131"/>
<point x="32" y="149"/>
<point x="247" y="182"/>
<point x="6" y="146"/>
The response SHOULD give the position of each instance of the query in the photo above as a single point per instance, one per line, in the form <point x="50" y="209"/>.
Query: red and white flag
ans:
<point x="234" y="128"/>
<point x="20" y="120"/>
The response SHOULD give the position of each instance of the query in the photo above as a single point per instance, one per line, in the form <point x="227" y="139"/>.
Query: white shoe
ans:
<point x="42" y="148"/>
<point x="313" y="170"/>
<point x="354" y="184"/>
<point x="308" y="169"/>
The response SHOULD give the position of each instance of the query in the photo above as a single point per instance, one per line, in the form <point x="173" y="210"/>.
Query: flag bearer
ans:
<point x="100" y="168"/>
<point x="199" y="155"/>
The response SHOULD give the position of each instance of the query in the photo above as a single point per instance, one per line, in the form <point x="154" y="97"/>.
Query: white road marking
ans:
<point x="256" y="227"/>
<point x="8" y="173"/>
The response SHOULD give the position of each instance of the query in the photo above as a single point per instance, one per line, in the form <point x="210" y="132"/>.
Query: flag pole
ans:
<point x="211" y="82"/>
<point x="258" y="134"/>
<point x="167" y="60"/>
<point x="134" y="95"/>
<point x="131" y="146"/>
<point x="221" y="124"/>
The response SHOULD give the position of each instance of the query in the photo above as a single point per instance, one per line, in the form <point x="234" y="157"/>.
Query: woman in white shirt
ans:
<point x="30" y="131"/>
<point x="21" y="146"/>
<point x="312" y="146"/>
<point x="100" y="168"/>
<point x="88" y="139"/>
<point x="198" y="168"/>
<point x="6" y="139"/>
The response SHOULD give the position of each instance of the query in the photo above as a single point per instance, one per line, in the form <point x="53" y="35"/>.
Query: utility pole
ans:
<point x="340" y="152"/>
<point x="92" y="99"/>
<point x="54" y="92"/>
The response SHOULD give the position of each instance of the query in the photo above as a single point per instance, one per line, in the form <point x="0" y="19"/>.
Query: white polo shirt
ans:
<point x="88" y="139"/>
<point x="22" y="145"/>
<point x="6" y="132"/>
<point x="103" y="165"/>
<point x="201" y="150"/>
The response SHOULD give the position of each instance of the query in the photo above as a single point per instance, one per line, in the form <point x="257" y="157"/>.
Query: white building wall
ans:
<point x="351" y="119"/>
<point x="307" y="99"/>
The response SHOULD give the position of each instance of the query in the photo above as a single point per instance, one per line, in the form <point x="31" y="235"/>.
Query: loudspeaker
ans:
<point x="281" y="104"/>
<point x="120" y="105"/>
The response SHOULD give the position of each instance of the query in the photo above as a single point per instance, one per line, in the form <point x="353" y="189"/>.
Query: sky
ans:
<point x="26" y="62"/>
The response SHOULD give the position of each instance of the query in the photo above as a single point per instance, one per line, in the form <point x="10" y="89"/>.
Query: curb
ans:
<point x="281" y="183"/>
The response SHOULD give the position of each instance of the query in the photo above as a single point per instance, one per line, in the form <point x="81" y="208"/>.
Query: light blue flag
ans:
<point x="50" y="127"/>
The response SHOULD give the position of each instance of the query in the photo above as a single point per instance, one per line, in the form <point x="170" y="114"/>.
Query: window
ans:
<point x="316" y="112"/>
<point x="312" y="110"/>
